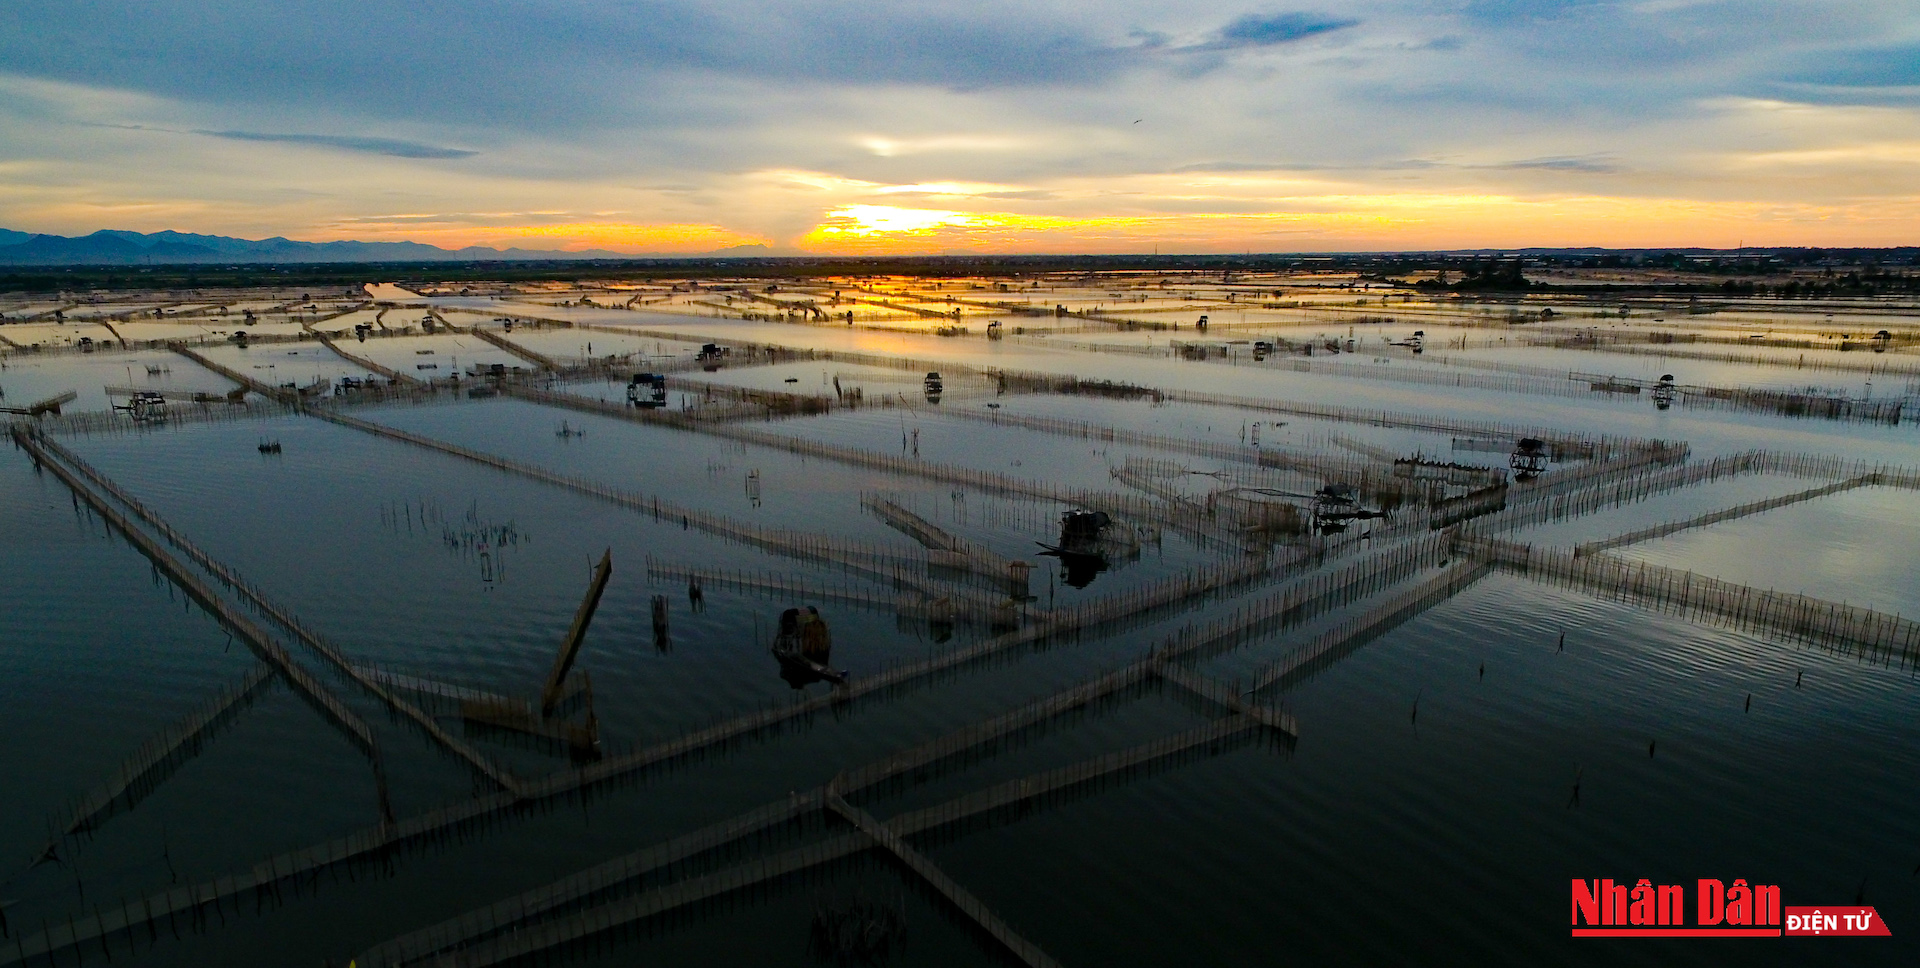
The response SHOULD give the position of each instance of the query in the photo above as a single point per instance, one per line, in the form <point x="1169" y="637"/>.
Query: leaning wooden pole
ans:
<point x="570" y="649"/>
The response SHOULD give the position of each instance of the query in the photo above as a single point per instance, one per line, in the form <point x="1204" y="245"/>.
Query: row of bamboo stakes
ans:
<point x="43" y="447"/>
<point x="1520" y="379"/>
<point x="1878" y="363"/>
<point x="1120" y="505"/>
<point x="43" y="452"/>
<point x="271" y="865"/>
<point x="1799" y="615"/>
<point x="812" y="547"/>
<point x="502" y="930"/>
<point x="155" y="760"/>
<point x="947" y="604"/>
<point x="1600" y="491"/>
<point x="515" y="929"/>
<point x="393" y="375"/>
<point x="1596" y="447"/>
<point x="1416" y="599"/>
<point x="509" y="915"/>
<point x="1724" y="514"/>
<point x="876" y="561"/>
<point x="1369" y="475"/>
<point x="1343" y="638"/>
<point x="1836" y="625"/>
<point x="1578" y="385"/>
<point x="378" y="844"/>
<point x="1881" y="363"/>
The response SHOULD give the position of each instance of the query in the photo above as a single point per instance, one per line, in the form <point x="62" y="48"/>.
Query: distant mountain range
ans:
<point x="112" y="247"/>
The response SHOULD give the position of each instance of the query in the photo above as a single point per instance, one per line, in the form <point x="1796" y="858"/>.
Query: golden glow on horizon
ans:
<point x="875" y="229"/>
<point x="798" y="211"/>
<point x="1414" y="220"/>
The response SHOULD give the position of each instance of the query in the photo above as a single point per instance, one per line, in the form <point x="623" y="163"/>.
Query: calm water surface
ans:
<point x="1426" y="815"/>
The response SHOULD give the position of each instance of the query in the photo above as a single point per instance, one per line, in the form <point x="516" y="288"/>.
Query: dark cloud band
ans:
<point x="375" y="146"/>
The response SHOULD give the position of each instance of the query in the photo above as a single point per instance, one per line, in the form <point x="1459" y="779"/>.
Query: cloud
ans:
<point x="1876" y="75"/>
<point x="1585" y="164"/>
<point x="1850" y="94"/>
<point x="1511" y="11"/>
<point x="1268" y="30"/>
<point x="374" y="146"/>
<point x="761" y="117"/>
<point x="1237" y="166"/>
<point x="950" y="188"/>
<point x="394" y="147"/>
<point x="456" y="218"/>
<point x="892" y="147"/>
<point x="542" y="65"/>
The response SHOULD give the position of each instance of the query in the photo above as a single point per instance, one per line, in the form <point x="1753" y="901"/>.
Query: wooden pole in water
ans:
<point x="570" y="649"/>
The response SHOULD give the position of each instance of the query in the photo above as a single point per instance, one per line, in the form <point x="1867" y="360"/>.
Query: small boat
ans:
<point x="803" y="648"/>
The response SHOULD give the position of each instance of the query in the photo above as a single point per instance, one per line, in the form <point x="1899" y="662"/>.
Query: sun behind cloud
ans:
<point x="870" y="220"/>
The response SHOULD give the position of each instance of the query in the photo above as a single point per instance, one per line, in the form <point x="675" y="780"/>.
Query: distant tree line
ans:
<point x="1493" y="275"/>
<point x="1871" y="281"/>
<point x="1869" y="271"/>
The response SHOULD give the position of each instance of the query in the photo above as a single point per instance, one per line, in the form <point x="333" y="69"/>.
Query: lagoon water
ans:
<point x="1425" y="816"/>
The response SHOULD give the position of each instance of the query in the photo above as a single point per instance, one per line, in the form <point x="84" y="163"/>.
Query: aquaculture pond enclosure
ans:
<point x="1091" y="654"/>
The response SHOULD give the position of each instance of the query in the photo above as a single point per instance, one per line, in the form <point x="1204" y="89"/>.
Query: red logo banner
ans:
<point x="1709" y="908"/>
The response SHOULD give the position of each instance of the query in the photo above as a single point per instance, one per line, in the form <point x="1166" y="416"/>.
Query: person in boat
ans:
<point x="816" y="642"/>
<point x="788" y="636"/>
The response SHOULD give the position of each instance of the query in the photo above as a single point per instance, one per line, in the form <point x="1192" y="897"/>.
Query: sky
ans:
<point x="911" y="127"/>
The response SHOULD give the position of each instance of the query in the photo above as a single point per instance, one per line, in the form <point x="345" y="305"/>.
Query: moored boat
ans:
<point x="803" y="646"/>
